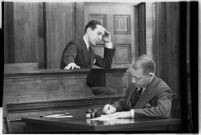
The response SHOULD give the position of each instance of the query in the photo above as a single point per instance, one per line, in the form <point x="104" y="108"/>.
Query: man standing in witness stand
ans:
<point x="147" y="95"/>
<point x="80" y="54"/>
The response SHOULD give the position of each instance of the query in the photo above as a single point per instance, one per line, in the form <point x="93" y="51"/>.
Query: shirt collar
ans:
<point x="142" y="89"/>
<point x="87" y="44"/>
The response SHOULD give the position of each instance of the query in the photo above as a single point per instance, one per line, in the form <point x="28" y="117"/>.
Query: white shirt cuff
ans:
<point x="132" y="112"/>
<point x="109" y="45"/>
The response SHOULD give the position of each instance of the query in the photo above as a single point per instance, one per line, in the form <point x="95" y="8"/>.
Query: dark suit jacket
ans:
<point x="77" y="52"/>
<point x="155" y="101"/>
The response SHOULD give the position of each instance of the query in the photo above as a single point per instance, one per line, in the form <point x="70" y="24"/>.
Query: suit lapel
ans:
<point x="147" y="94"/>
<point x="92" y="55"/>
<point x="85" y="52"/>
<point x="132" y="90"/>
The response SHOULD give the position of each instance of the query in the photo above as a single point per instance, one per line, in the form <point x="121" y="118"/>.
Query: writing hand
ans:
<point x="109" y="109"/>
<point x="71" y="66"/>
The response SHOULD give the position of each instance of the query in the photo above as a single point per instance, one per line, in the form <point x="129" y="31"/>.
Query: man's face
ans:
<point x="95" y="35"/>
<point x="139" y="79"/>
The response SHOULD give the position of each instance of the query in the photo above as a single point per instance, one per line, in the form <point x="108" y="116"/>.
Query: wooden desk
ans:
<point x="80" y="124"/>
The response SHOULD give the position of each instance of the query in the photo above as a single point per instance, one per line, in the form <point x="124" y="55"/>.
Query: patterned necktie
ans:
<point x="136" y="97"/>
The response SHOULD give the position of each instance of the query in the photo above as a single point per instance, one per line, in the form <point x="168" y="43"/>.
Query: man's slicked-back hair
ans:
<point x="146" y="63"/>
<point x="91" y="24"/>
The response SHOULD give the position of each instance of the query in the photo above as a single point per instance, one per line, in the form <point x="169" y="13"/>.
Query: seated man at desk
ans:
<point x="80" y="54"/>
<point x="146" y="96"/>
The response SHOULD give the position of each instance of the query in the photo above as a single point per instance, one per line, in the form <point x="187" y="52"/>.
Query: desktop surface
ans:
<point x="79" y="123"/>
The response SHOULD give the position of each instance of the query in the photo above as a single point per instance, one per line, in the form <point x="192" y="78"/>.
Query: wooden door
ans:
<point x="118" y="18"/>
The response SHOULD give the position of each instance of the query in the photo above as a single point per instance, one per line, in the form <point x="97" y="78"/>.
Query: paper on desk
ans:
<point x="65" y="116"/>
<point x="60" y="115"/>
<point x="106" y="117"/>
<point x="118" y="121"/>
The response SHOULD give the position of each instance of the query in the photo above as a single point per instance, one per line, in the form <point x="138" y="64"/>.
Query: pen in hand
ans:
<point x="109" y="107"/>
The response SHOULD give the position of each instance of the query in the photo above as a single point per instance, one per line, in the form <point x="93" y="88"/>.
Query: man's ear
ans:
<point x="89" y="29"/>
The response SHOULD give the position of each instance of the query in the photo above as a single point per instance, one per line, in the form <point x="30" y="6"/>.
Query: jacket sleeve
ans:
<point x="105" y="62"/>
<point x="121" y="104"/>
<point x="70" y="53"/>
<point x="162" y="108"/>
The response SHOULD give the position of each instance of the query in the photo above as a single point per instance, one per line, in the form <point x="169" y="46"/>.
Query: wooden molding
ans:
<point x="123" y="54"/>
<point x="122" y="24"/>
<point x="50" y="72"/>
<point x="99" y="17"/>
<point x="65" y="104"/>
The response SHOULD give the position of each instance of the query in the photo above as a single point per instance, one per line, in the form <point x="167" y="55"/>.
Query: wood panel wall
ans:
<point x="166" y="42"/>
<point x="22" y="32"/>
<point x="8" y="33"/>
<point x="38" y="32"/>
<point x="140" y="32"/>
<point x="25" y="32"/>
<point x="60" y="30"/>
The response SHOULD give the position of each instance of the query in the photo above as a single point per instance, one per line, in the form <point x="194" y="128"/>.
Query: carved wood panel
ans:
<point x="123" y="54"/>
<point x="121" y="24"/>
<point x="99" y="17"/>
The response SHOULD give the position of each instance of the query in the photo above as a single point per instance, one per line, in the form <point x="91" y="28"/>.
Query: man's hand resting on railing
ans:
<point x="72" y="66"/>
